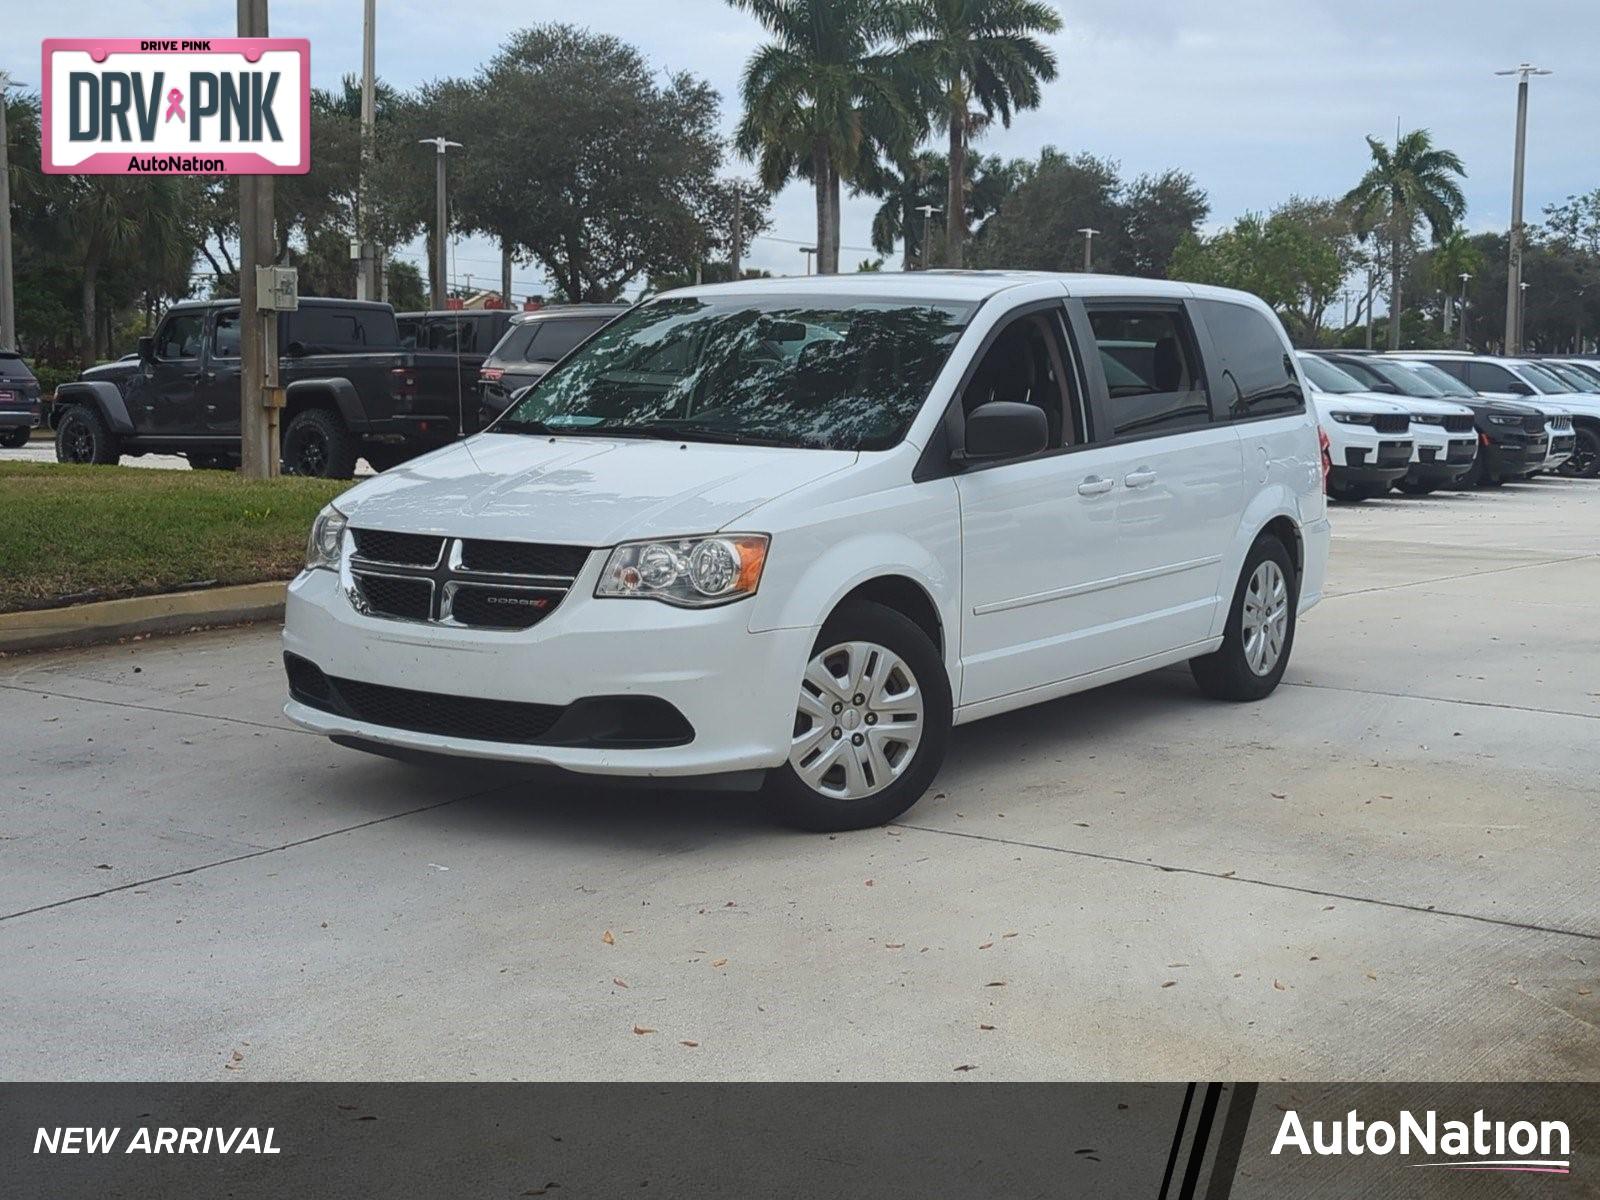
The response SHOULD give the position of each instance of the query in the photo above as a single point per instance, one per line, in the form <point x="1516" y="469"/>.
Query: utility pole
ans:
<point x="1369" y="306"/>
<point x="8" y="300"/>
<point x="808" y="251"/>
<point x="1088" y="249"/>
<point x="1514" y="274"/>
<point x="736" y="251"/>
<point x="1461" y="317"/>
<point x="366" y="272"/>
<point x="258" y="331"/>
<point x="927" y="211"/>
<point x="440" y="233"/>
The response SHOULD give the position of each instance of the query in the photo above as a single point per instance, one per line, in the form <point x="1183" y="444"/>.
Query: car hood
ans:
<point x="1423" y="405"/>
<point x="585" y="491"/>
<point x="1363" y="402"/>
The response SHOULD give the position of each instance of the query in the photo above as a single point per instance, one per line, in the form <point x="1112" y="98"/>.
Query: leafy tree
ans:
<point x="1278" y="257"/>
<point x="1576" y="222"/>
<point x="1412" y="181"/>
<point x="1140" y="224"/>
<point x="977" y="52"/>
<point x="923" y="180"/>
<point x="824" y="98"/>
<point x="405" y="287"/>
<point x="625" y="165"/>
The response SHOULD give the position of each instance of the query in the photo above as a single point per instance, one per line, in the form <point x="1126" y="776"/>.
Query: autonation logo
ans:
<point x="1476" y="1145"/>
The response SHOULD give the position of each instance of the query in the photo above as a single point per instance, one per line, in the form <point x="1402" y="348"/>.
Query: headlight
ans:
<point x="1493" y="420"/>
<point x="1352" y="418"/>
<point x="327" y="537"/>
<point x="692" y="572"/>
<point x="1427" y="418"/>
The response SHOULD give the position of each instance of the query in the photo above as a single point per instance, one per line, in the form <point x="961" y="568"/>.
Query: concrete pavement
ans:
<point x="1384" y="871"/>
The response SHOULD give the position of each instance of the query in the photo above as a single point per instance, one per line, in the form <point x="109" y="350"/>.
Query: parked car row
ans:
<point x="1420" y="421"/>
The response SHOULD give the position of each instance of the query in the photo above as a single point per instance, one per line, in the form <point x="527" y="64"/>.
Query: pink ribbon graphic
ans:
<point x="175" y="105"/>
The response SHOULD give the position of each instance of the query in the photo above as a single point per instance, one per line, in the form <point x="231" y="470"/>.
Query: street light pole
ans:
<point x="1522" y="313"/>
<point x="366" y="275"/>
<point x="927" y="211"/>
<point x="441" y="288"/>
<point x="259" y="453"/>
<point x="1514" y="275"/>
<point x="8" y="302"/>
<point x="1461" y="316"/>
<point x="1088" y="248"/>
<point x="808" y="251"/>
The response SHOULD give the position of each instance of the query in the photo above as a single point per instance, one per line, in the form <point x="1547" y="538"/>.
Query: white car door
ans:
<point x="1178" y="472"/>
<point x="1039" y="535"/>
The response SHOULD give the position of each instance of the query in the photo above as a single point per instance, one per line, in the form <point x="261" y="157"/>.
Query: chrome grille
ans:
<point x="460" y="581"/>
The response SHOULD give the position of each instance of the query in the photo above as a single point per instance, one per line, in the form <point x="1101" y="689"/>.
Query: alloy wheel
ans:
<point x="1264" y="622"/>
<point x="858" y="722"/>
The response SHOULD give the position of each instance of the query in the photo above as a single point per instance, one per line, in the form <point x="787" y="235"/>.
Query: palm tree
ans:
<point x="1412" y="180"/>
<point x="904" y="189"/>
<point x="824" y="99"/>
<point x="981" y="52"/>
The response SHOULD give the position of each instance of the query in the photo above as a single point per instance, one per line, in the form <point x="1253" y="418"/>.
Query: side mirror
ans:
<point x="1005" y="429"/>
<point x="295" y="349"/>
<point x="147" y="349"/>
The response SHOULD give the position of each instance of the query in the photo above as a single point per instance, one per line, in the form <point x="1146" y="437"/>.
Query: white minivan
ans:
<point x="792" y="530"/>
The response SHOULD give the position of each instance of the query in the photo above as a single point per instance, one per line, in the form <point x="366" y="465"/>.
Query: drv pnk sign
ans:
<point x="170" y="106"/>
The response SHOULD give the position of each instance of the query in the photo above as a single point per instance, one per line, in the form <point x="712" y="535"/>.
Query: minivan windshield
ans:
<point x="819" y="371"/>
<point x="1326" y="377"/>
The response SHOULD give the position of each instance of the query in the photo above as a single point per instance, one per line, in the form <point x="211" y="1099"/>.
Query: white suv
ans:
<point x="797" y="528"/>
<point x="1523" y="380"/>
<point x="1371" y="439"/>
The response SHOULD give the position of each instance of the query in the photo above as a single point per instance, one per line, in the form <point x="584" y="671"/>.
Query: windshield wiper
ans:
<point x="673" y="431"/>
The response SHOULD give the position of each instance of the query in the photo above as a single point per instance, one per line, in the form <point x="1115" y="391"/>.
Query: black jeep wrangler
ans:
<point x="350" y="392"/>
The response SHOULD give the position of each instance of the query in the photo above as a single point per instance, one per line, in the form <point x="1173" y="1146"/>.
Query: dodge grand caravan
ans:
<point x="791" y="531"/>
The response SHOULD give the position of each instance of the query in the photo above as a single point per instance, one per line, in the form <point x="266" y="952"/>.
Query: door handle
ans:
<point x="1095" y="486"/>
<point x="1143" y="477"/>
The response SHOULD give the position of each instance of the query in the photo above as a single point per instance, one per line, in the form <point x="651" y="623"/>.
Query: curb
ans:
<point x="109" y="620"/>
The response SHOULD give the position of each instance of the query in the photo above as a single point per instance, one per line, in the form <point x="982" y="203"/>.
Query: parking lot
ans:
<point x="1386" y="870"/>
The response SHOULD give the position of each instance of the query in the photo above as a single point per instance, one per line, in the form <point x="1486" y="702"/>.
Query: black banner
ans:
<point x="1158" y="1141"/>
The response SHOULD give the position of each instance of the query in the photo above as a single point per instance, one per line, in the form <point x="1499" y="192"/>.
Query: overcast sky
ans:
<point x="1258" y="99"/>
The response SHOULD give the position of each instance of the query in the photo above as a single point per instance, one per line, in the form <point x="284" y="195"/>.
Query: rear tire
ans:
<point x="15" y="439"/>
<point x="1260" y="632"/>
<point x="903" y="687"/>
<point x="316" y="443"/>
<point x="83" y="437"/>
<point x="1416" y="489"/>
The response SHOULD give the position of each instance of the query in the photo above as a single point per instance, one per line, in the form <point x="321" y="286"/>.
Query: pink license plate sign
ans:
<point x="177" y="106"/>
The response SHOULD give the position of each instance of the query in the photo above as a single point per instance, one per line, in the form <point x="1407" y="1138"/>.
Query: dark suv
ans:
<point x="19" y="400"/>
<point x="535" y="342"/>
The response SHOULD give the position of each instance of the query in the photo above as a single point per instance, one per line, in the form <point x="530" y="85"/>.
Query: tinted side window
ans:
<point x="1490" y="377"/>
<point x="515" y="344"/>
<point x="180" y="336"/>
<point x="12" y="367"/>
<point x="1452" y="367"/>
<point x="1153" y="380"/>
<point x="1256" y="376"/>
<point x="560" y="336"/>
<point x="332" y="331"/>
<point x="225" y="335"/>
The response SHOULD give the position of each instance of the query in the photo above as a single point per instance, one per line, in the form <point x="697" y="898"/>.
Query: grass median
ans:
<point x="75" y="534"/>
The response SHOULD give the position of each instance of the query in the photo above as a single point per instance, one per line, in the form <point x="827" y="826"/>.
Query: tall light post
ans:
<point x="1523" y="71"/>
<point x="366" y="270"/>
<point x="1577" y="333"/>
<point x="8" y="303"/>
<point x="1088" y="248"/>
<point x="927" y="211"/>
<point x="441" y="288"/>
<point x="1522" y="313"/>
<point x="1461" y="315"/>
<point x="808" y="251"/>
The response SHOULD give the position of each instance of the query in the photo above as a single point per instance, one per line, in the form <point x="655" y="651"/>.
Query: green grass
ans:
<point x="71" y="534"/>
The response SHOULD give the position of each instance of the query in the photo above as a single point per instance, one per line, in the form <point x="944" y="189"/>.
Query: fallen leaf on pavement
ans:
<point x="608" y="939"/>
<point x="1278" y="986"/>
<point x="719" y="962"/>
<point x="894" y="945"/>
<point x="641" y="1030"/>
<point x="619" y="983"/>
<point x="966" y="1067"/>
<point x="691" y="1045"/>
<point x="986" y="1027"/>
<point x="996" y="983"/>
<point x="985" y="946"/>
<point x="1170" y="983"/>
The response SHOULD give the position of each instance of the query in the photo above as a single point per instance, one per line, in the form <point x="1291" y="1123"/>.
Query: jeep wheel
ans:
<point x="15" y="438"/>
<point x="82" y="437"/>
<point x="317" y="443"/>
<point x="1585" y="460"/>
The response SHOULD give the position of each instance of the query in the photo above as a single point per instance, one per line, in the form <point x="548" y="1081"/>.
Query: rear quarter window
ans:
<point x="1254" y="365"/>
<point x="514" y="346"/>
<point x="324" y="330"/>
<point x="561" y="335"/>
<point x="13" y="368"/>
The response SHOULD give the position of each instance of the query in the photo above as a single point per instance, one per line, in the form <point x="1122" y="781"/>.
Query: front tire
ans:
<point x="1260" y="631"/>
<point x="83" y="437"/>
<point x="871" y="724"/>
<point x="1416" y="489"/>
<point x="316" y="443"/>
<point x="1585" y="460"/>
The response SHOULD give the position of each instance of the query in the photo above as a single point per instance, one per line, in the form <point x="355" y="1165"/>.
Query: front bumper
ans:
<point x="736" y="689"/>
<point x="1516" y="457"/>
<point x="1562" y="446"/>
<point x="1441" y="457"/>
